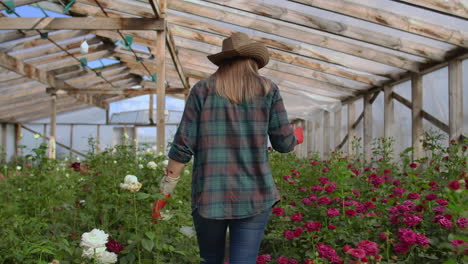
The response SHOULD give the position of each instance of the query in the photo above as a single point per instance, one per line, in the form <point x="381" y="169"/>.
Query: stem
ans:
<point x="136" y="225"/>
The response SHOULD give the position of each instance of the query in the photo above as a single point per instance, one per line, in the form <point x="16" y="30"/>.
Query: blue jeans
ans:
<point x="245" y="236"/>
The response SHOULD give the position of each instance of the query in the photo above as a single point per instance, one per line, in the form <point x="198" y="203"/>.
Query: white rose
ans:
<point x="89" y="252"/>
<point x="18" y="167"/>
<point x="94" y="239"/>
<point x="130" y="178"/>
<point x="115" y="162"/>
<point x="140" y="166"/>
<point x="165" y="162"/>
<point x="132" y="187"/>
<point x="152" y="165"/>
<point x="107" y="257"/>
<point x="187" y="230"/>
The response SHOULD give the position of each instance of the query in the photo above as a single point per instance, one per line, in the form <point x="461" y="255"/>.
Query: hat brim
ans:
<point x="256" y="51"/>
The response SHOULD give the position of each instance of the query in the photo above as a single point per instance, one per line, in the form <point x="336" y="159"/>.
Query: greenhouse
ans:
<point x="379" y="87"/>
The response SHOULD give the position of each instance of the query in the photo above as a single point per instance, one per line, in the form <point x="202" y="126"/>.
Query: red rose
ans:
<point x="454" y="185"/>
<point x="114" y="246"/>
<point x="350" y="212"/>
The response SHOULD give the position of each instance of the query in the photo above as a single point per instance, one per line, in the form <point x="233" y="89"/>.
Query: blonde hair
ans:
<point x="238" y="80"/>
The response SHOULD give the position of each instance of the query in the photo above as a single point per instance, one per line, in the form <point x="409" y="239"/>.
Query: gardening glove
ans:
<point x="167" y="184"/>
<point x="299" y="135"/>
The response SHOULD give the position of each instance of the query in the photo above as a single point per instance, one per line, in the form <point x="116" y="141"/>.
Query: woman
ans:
<point x="226" y="124"/>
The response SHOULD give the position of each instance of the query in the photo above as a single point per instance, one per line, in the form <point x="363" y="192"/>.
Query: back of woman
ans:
<point x="227" y="121"/>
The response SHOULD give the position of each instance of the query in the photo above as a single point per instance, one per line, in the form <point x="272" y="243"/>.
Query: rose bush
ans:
<point x="339" y="210"/>
<point x="382" y="211"/>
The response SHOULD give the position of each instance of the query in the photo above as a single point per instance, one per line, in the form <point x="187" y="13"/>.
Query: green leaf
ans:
<point x="450" y="261"/>
<point x="147" y="244"/>
<point x="150" y="235"/>
<point x="158" y="196"/>
<point x="142" y="196"/>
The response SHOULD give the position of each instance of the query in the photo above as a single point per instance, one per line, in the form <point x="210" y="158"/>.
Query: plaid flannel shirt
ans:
<point x="231" y="176"/>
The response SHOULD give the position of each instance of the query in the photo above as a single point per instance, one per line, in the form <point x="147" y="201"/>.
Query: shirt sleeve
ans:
<point x="280" y="132"/>
<point x="185" y="139"/>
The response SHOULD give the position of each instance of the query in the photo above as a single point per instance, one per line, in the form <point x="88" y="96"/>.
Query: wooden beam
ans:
<point x="417" y="131"/>
<point x="337" y="128"/>
<point x="53" y="127"/>
<point x="27" y="44"/>
<point x="351" y="129"/>
<point x="39" y="75"/>
<point x="430" y="67"/>
<point x="272" y="26"/>
<point x="20" y="3"/>
<point x="432" y="119"/>
<point x="332" y="26"/>
<point x="448" y="7"/>
<point x="161" y="75"/>
<point x="326" y="134"/>
<point x="455" y="100"/>
<point x="58" y="143"/>
<point x="175" y="58"/>
<point x="277" y="47"/>
<point x="389" y="116"/>
<point x="367" y="129"/>
<point x="309" y="135"/>
<point x="123" y="91"/>
<point x="394" y="20"/>
<point x="4" y="143"/>
<point x="18" y="136"/>
<point x="317" y="140"/>
<point x="204" y="26"/>
<point x="87" y="23"/>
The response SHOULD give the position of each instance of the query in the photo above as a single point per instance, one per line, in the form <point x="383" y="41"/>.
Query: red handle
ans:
<point x="157" y="207"/>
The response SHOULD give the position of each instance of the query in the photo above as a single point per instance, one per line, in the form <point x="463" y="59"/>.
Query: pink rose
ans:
<point x="413" y="196"/>
<point x="357" y="253"/>
<point x="296" y="217"/>
<point x="371" y="248"/>
<point x="462" y="222"/>
<point x="282" y="260"/>
<point x="332" y="212"/>
<point x="313" y="226"/>
<point x="289" y="235"/>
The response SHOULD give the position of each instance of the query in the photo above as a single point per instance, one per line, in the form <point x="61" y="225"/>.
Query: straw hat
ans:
<point x="240" y="45"/>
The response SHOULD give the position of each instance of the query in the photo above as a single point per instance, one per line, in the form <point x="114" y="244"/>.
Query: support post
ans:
<point x="309" y="135"/>
<point x="455" y="100"/>
<point x="351" y="129"/>
<point x="337" y="128"/>
<point x="388" y="112"/>
<point x="17" y="139"/>
<point x="135" y="137"/>
<point x="4" y="141"/>
<point x="160" y="86"/>
<point x="53" y="126"/>
<point x="367" y="127"/>
<point x="107" y="116"/>
<point x="326" y="134"/>
<point x="44" y="132"/>
<point x="151" y="109"/>
<point x="72" y="126"/>
<point x="317" y="136"/>
<point x="417" y="131"/>
<point x="98" y="138"/>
